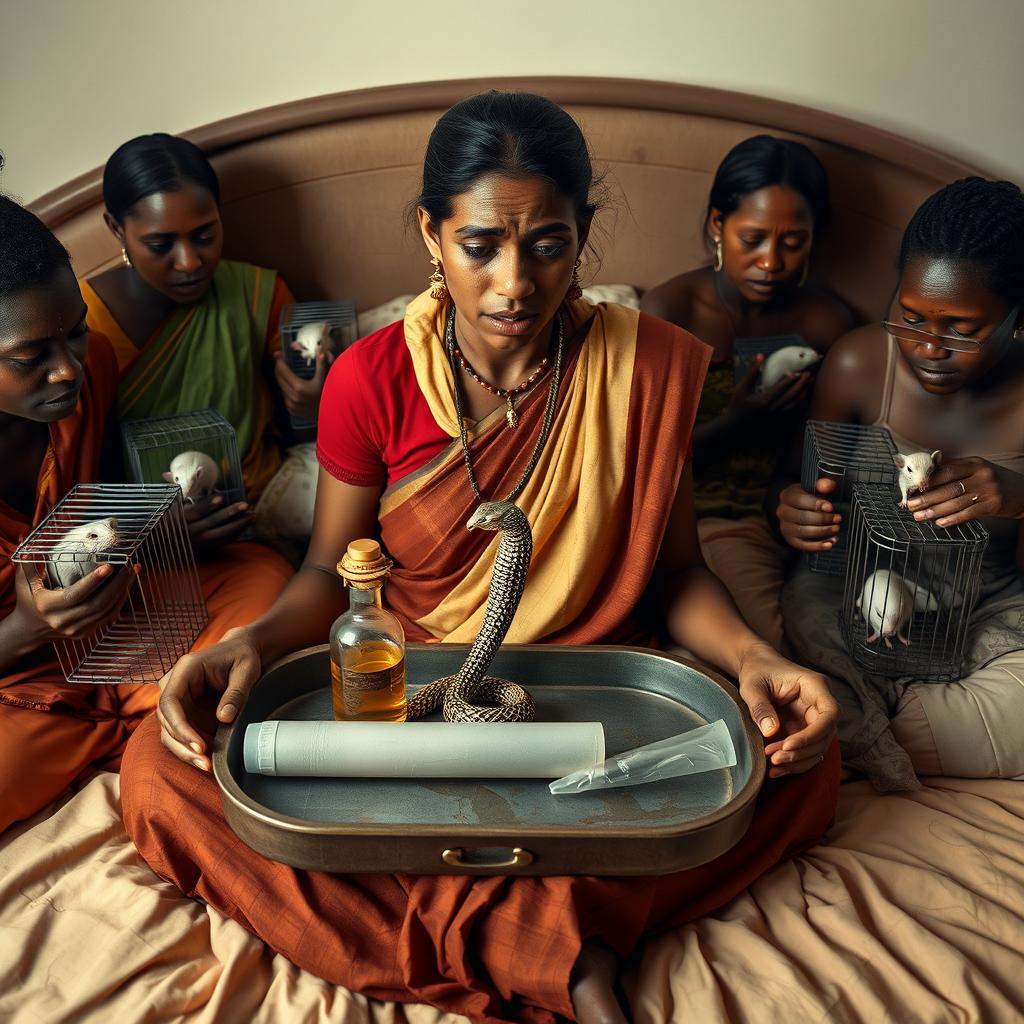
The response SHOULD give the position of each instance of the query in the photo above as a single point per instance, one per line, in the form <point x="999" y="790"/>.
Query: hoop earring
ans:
<point x="124" y="257"/>
<point x="803" y="276"/>
<point x="438" y="287"/>
<point x="575" y="291"/>
<point x="719" y="262"/>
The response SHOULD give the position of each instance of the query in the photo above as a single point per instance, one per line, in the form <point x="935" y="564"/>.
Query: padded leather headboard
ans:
<point x="319" y="188"/>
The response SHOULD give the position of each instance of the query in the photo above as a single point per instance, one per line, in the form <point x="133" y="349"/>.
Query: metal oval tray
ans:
<point x="498" y="826"/>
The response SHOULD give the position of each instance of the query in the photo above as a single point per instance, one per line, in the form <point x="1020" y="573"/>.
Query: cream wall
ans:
<point x="77" y="77"/>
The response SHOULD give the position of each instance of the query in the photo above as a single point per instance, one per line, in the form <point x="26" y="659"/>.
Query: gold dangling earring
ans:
<point x="719" y="262"/>
<point x="438" y="288"/>
<point x="124" y="257"/>
<point x="803" y="276"/>
<point x="575" y="291"/>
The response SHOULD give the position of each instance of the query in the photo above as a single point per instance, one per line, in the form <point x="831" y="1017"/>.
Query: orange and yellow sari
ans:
<point x="598" y="501"/>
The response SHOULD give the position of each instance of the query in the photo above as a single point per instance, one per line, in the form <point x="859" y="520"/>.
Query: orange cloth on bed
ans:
<point x="494" y="949"/>
<point x="51" y="731"/>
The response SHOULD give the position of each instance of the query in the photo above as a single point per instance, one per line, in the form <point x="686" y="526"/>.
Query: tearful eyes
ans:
<point x="548" y="251"/>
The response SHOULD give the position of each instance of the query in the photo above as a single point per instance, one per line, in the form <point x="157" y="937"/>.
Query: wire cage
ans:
<point x="910" y="589"/>
<point x="153" y="445"/>
<point x="745" y="350"/>
<point x="849" y="454"/>
<point x="341" y="330"/>
<point x="136" y="525"/>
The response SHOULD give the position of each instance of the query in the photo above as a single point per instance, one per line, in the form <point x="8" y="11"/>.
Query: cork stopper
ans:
<point x="364" y="565"/>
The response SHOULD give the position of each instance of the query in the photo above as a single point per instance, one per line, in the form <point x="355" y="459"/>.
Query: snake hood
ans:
<point x="491" y="515"/>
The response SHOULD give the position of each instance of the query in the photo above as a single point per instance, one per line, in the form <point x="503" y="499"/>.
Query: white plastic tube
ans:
<point x="422" y="750"/>
<point x="687" y="753"/>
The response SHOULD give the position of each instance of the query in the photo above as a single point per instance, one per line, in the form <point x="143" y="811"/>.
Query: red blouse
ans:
<point x="375" y="426"/>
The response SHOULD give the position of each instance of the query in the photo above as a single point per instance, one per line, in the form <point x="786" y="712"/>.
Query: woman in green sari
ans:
<point x="190" y="329"/>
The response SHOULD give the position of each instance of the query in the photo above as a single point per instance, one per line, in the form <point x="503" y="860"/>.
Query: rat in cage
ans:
<point x="915" y="471"/>
<point x="196" y="474"/>
<point x="89" y="540"/>
<point x="311" y="339"/>
<point x="791" y="359"/>
<point x="887" y="602"/>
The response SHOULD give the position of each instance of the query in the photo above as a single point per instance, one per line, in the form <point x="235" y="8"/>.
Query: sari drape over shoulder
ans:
<point x="599" y="498"/>
<point x="214" y="353"/>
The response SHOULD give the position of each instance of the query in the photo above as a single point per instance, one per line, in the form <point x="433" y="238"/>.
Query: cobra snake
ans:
<point x="471" y="695"/>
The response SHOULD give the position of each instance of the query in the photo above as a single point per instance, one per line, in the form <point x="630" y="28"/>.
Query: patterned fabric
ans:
<point x="733" y="485"/>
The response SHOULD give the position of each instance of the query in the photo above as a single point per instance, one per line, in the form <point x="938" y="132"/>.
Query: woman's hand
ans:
<point x="792" y="707"/>
<point x="748" y="406"/>
<point x="808" y="522"/>
<point x="302" y="397"/>
<point x="204" y="688"/>
<point x="73" y="612"/>
<point x="210" y="526"/>
<point x="964" y="489"/>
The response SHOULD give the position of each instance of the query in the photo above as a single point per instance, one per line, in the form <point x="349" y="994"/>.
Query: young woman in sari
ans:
<point x="57" y="384"/>
<point x="768" y="200"/>
<point x="419" y="420"/>
<point x="189" y="328"/>
<point x="945" y="371"/>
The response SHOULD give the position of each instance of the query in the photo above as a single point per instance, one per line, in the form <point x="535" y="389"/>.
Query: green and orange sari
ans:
<point x="214" y="353"/>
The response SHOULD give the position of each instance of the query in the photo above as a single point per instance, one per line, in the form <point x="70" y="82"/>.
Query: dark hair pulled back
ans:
<point x="762" y="161"/>
<point x="976" y="220"/>
<point x="151" y="164"/>
<point x="516" y="134"/>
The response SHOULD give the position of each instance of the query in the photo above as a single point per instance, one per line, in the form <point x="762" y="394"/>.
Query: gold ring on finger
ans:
<point x="963" y="489"/>
<point x="974" y="498"/>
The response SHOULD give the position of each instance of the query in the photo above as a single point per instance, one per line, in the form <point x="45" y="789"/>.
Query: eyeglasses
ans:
<point x="953" y="342"/>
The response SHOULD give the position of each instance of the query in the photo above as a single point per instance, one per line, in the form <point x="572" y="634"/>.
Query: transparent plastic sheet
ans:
<point x="700" y="750"/>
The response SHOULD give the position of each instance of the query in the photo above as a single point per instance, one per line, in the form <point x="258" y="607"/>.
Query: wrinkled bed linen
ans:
<point x="912" y="910"/>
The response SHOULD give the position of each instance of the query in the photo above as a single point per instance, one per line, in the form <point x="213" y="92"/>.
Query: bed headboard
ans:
<point x="318" y="188"/>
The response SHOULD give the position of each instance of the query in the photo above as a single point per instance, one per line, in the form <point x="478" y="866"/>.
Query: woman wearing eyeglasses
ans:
<point x="945" y="370"/>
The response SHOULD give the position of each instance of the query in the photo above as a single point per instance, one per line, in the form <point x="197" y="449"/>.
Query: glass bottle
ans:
<point x="367" y="643"/>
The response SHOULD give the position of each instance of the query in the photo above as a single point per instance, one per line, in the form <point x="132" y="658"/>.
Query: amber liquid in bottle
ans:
<point x="369" y="684"/>
<point x="367" y="644"/>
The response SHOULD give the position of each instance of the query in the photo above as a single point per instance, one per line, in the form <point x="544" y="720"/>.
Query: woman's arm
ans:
<point x="806" y="521"/>
<point x="301" y="617"/>
<point x="790" y="704"/>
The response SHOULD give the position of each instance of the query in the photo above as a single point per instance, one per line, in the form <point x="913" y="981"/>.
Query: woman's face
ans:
<point x="43" y="341"/>
<point x="507" y="252"/>
<point x="174" y="241"/>
<point x="766" y="241"/>
<point x="950" y="297"/>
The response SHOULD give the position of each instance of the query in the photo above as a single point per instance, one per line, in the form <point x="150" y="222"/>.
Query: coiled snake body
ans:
<point x="471" y="695"/>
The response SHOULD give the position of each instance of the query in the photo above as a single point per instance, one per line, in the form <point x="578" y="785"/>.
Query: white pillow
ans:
<point x="623" y="294"/>
<point x="381" y="316"/>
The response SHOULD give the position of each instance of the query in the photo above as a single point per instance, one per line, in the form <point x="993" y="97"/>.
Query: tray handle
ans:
<point x="455" y="858"/>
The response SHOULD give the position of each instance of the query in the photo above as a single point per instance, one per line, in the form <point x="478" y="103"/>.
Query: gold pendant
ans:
<point x="510" y="413"/>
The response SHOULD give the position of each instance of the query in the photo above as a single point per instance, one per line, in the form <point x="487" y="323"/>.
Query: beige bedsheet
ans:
<point x="911" y="911"/>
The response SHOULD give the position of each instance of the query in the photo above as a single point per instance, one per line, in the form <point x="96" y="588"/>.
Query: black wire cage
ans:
<point x="849" y="454"/>
<point x="125" y="525"/>
<point x="910" y="589"/>
<point x="174" y="449"/>
<point x="304" y="326"/>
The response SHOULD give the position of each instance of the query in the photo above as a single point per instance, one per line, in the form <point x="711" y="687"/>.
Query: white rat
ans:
<point x="886" y="602"/>
<point x="915" y="471"/>
<point x="310" y="339"/>
<point x="195" y="473"/>
<point x="791" y="359"/>
<point x="88" y="539"/>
